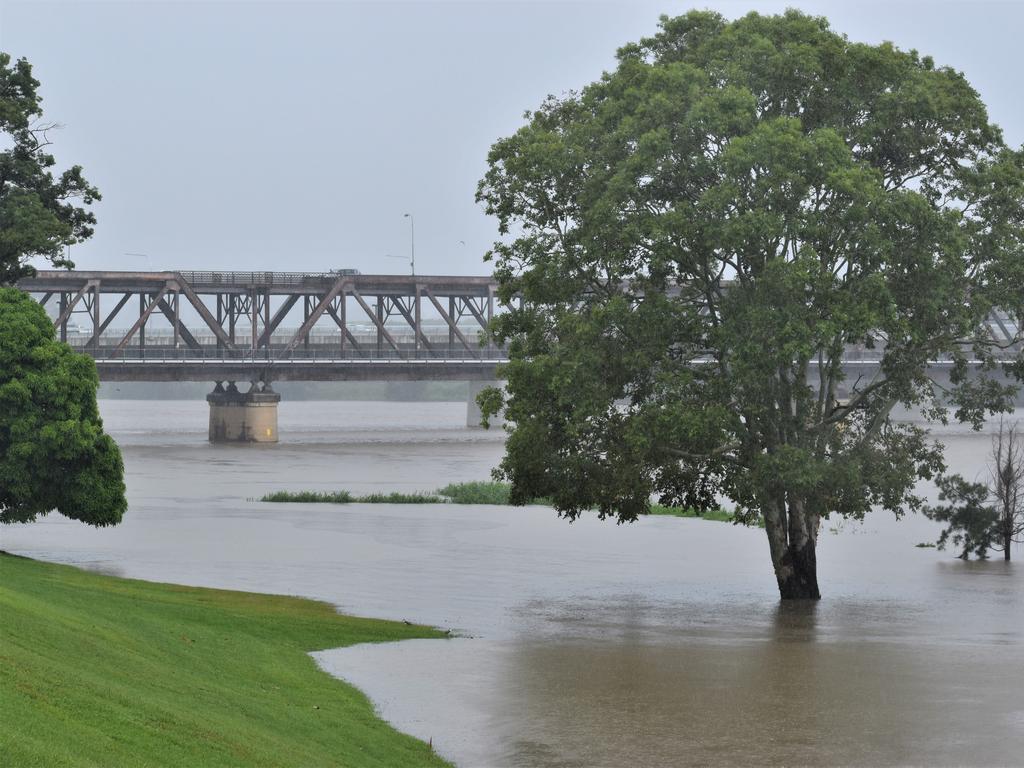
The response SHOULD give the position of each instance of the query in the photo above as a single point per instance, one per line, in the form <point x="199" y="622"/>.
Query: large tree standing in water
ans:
<point x="698" y="236"/>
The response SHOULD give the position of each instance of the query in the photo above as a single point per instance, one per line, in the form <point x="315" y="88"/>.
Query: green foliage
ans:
<point x="310" y="497"/>
<point x="399" y="498"/>
<point x="980" y="517"/>
<point x="699" y="236"/>
<point x="143" y="674"/>
<point x="489" y="492"/>
<point x="481" y="493"/>
<point x="38" y="213"/>
<point x="490" y="400"/>
<point x="456" y="493"/>
<point x="53" y="451"/>
<point x="970" y="521"/>
<point x="476" y="493"/>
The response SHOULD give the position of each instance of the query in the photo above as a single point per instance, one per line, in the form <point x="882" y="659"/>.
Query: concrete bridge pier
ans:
<point x="473" y="414"/>
<point x="243" y="418"/>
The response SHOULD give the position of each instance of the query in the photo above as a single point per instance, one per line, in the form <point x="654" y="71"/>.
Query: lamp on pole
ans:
<point x="412" y="241"/>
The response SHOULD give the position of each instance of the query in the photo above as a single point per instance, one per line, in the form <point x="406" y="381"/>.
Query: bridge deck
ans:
<point x="274" y="283"/>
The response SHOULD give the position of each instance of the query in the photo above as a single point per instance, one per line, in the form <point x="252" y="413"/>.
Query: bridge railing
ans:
<point x="229" y="279"/>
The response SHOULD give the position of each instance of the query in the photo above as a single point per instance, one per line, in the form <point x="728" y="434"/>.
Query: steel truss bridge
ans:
<point x="230" y="326"/>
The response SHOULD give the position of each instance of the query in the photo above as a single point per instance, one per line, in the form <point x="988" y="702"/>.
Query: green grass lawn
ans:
<point x="101" y="671"/>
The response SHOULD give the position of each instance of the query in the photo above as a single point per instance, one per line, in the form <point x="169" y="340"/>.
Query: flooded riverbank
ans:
<point x="658" y="643"/>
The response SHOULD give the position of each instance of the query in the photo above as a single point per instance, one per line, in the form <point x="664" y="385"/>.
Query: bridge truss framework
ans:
<point x="244" y="314"/>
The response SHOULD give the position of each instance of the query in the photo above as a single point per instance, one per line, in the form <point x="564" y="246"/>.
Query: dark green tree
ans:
<point x="985" y="516"/>
<point x="39" y="214"/>
<point x="54" y="454"/>
<point x="693" y="241"/>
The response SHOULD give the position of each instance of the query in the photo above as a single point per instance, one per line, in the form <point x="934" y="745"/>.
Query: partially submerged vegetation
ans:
<point x="310" y="497"/>
<point x="719" y="515"/>
<point x="399" y="498"/>
<point x="455" y="493"/>
<point x="479" y="493"/>
<point x="344" y="497"/>
<point x="983" y="517"/>
<point x="106" y="671"/>
<point x="472" y="493"/>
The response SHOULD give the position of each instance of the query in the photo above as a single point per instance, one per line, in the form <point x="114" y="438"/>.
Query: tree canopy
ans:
<point x="39" y="216"/>
<point x="694" y="242"/>
<point x="54" y="454"/>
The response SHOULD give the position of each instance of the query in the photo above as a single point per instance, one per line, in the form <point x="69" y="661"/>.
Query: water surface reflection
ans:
<point x="837" y="683"/>
<point x="660" y="643"/>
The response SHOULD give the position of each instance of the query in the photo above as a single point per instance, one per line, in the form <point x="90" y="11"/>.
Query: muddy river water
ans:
<point x="660" y="643"/>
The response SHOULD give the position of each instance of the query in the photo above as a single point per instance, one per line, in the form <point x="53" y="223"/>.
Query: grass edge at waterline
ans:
<point x="485" y="493"/>
<point x="99" y="670"/>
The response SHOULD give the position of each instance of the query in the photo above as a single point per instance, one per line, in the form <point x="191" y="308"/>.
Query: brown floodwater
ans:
<point x="591" y="644"/>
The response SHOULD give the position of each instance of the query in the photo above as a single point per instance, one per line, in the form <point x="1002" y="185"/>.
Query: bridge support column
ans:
<point x="473" y="414"/>
<point x="243" y="418"/>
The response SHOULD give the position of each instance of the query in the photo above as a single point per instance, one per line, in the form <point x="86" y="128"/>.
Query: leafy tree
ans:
<point x="53" y="451"/>
<point x="693" y="241"/>
<point x="38" y="214"/>
<point x="982" y="516"/>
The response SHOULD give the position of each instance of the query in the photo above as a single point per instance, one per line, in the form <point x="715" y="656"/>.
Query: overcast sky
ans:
<point x="294" y="136"/>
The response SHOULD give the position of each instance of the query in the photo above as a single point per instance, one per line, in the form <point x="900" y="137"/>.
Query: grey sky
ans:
<point x="294" y="136"/>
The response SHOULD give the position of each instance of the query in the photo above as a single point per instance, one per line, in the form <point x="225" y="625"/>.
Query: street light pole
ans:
<point x="412" y="241"/>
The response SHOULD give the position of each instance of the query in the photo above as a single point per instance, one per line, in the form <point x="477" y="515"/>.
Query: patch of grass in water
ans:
<point x="454" y="493"/>
<point x="398" y="498"/>
<point x="475" y="493"/>
<point x="344" y="497"/>
<point x="488" y="492"/>
<point x="310" y="497"/>
<point x="718" y="515"/>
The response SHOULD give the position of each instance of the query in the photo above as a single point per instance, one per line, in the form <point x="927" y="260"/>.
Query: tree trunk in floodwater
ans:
<point x="1007" y="541"/>
<point x="792" y="535"/>
<point x="800" y="581"/>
